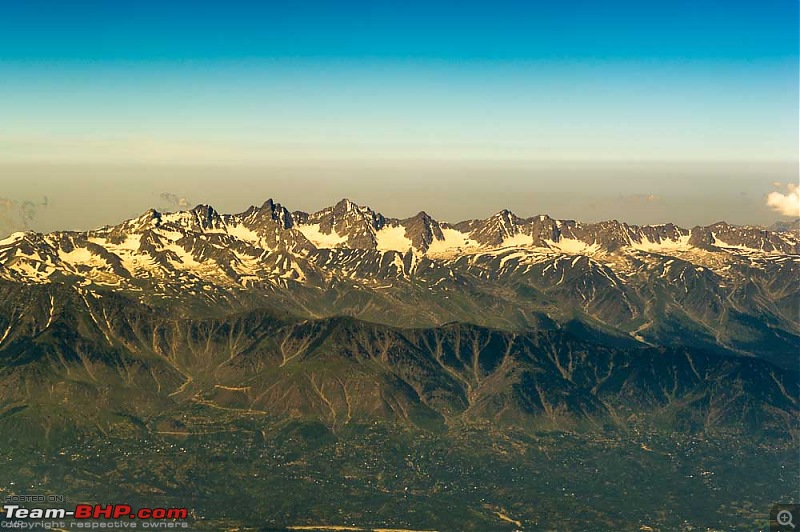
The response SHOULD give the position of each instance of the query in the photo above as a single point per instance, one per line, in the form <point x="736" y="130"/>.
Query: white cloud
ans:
<point x="787" y="204"/>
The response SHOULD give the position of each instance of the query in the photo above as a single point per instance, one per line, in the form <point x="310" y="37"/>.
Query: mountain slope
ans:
<point x="92" y="358"/>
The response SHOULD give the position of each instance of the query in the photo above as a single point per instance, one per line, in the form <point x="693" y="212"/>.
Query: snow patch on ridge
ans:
<point x="320" y="239"/>
<point x="78" y="256"/>
<point x="518" y="240"/>
<point x="392" y="239"/>
<point x="454" y="241"/>
<point x="243" y="233"/>
<point x="12" y="238"/>
<point x="665" y="245"/>
<point x="187" y="261"/>
<point x="721" y="244"/>
<point x="573" y="246"/>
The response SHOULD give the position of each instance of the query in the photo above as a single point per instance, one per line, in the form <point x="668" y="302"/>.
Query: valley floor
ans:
<point x="299" y="475"/>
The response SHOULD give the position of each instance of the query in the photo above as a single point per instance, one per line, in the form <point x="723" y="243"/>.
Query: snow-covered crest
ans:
<point x="203" y="246"/>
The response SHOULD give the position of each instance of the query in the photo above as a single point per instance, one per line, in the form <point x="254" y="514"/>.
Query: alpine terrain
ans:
<point x="278" y="368"/>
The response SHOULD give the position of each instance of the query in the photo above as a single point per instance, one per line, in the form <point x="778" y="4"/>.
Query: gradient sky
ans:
<point x="649" y="112"/>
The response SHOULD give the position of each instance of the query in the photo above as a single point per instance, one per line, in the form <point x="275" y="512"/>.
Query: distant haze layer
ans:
<point x="85" y="196"/>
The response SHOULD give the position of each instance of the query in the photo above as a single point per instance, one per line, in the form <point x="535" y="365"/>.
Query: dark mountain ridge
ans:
<point x="125" y="358"/>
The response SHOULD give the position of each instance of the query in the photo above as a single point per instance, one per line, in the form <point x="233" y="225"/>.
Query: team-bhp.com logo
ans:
<point x="94" y="511"/>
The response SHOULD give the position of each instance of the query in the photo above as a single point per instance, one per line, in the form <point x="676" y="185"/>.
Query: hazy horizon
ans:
<point x="84" y="197"/>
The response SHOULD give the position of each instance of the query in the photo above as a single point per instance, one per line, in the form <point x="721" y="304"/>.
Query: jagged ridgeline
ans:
<point x="410" y="372"/>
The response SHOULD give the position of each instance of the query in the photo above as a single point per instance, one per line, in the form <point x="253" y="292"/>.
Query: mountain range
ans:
<point x="308" y="329"/>
<point x="719" y="286"/>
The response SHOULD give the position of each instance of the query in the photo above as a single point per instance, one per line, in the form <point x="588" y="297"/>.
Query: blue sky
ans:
<point x="407" y="88"/>
<point x="458" y="31"/>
